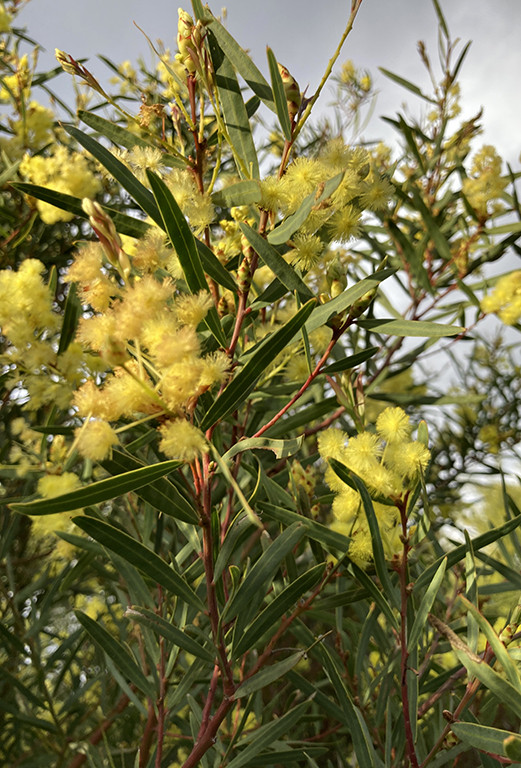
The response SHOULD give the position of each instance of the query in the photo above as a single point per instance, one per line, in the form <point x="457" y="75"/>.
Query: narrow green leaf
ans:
<point x="372" y="590"/>
<point x="125" y="225"/>
<point x="103" y="490"/>
<point x="353" y="717"/>
<point x="406" y="84"/>
<point x="485" y="738"/>
<point x="495" y="643"/>
<point x="281" y="103"/>
<point x="281" y="448"/>
<point x="234" y="111"/>
<point x="338" y="305"/>
<point x="426" y="604"/>
<point x="278" y="265"/>
<point x="120" y="172"/>
<point x="33" y="722"/>
<point x="268" y="675"/>
<point x="507" y="694"/>
<point x="9" y="173"/>
<point x="180" y="234"/>
<point x="213" y="267"/>
<point x="244" y="382"/>
<point x="242" y="63"/>
<point x="283" y="232"/>
<point x="471" y="589"/>
<point x="161" y="494"/>
<point x="331" y="540"/>
<point x="252" y="590"/>
<point x="241" y="193"/>
<point x="267" y="734"/>
<point x="346" y="363"/>
<point x="71" y="315"/>
<point x="458" y="553"/>
<point x="441" y="19"/>
<point x="124" y="138"/>
<point x="269" y="617"/>
<point x="378" y="551"/>
<point x="141" y="557"/>
<point x="164" y="628"/>
<point x="410" y="328"/>
<point x="117" y="652"/>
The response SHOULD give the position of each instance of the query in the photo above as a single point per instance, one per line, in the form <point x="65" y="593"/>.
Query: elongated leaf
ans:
<point x="141" y="557"/>
<point x="164" y="628"/>
<point x="241" y="193"/>
<point x="283" y="232"/>
<point x="281" y="103"/>
<point x="117" y="652"/>
<point x="268" y="675"/>
<point x="378" y="551"/>
<point x="242" y="63"/>
<point x="213" y="267"/>
<point x="182" y="239"/>
<point x="508" y="695"/>
<point x="276" y="263"/>
<point x="277" y="608"/>
<point x="234" y="110"/>
<point x="471" y="589"/>
<point x="98" y="492"/>
<point x="120" y="172"/>
<point x="124" y="138"/>
<point x="338" y="305"/>
<point x="495" y="643"/>
<point x="406" y="84"/>
<point x="458" y="553"/>
<point x="71" y="315"/>
<point x="350" y="362"/>
<point x="362" y="742"/>
<point x="244" y="382"/>
<point x="161" y="494"/>
<point x="33" y="722"/>
<point x="125" y="225"/>
<point x="426" y="604"/>
<point x="373" y="591"/>
<point x="411" y="328"/>
<point x="485" y="738"/>
<point x="281" y="448"/>
<point x="317" y="531"/>
<point x="268" y="734"/>
<point x="252" y="590"/>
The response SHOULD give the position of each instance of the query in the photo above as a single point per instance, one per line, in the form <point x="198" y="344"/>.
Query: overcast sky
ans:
<point x="303" y="35"/>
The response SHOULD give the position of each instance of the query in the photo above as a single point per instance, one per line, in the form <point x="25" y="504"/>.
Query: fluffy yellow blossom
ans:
<point x="196" y="206"/>
<point x="191" y="309"/>
<point x="181" y="440"/>
<point x="308" y="249"/>
<point x="94" y="440"/>
<point x="484" y="184"/>
<point x="389" y="463"/>
<point x="56" y="485"/>
<point x="505" y="299"/>
<point x="17" y="85"/>
<point x="62" y="171"/>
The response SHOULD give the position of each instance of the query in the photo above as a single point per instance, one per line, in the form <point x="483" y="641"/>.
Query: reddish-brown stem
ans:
<point x="207" y="739"/>
<point x="312" y="376"/>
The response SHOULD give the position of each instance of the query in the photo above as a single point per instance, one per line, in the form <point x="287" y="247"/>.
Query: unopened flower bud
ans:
<point x="244" y="275"/>
<point x="67" y="63"/>
<point x="359" y="307"/>
<point x="292" y="91"/>
<point x="187" y="41"/>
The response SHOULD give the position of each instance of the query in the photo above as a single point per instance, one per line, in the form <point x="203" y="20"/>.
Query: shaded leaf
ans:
<point x="117" y="652"/>
<point x="485" y="738"/>
<point x="164" y="628"/>
<point x="281" y="103"/>
<point x="268" y="675"/>
<point x="95" y="493"/>
<point x="244" y="382"/>
<point x="140" y="556"/>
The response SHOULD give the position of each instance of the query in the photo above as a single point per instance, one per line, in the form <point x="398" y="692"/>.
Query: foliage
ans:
<point x="228" y="537"/>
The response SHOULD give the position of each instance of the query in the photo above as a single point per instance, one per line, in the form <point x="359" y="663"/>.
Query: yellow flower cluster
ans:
<point x="30" y="325"/>
<point x="18" y="85"/>
<point x="5" y="19"/>
<point x="63" y="171"/>
<point x="361" y="188"/>
<point x="146" y="334"/>
<point x="33" y="131"/>
<point x="484" y="184"/>
<point x="505" y="299"/>
<point x="196" y="206"/>
<point x="389" y="462"/>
